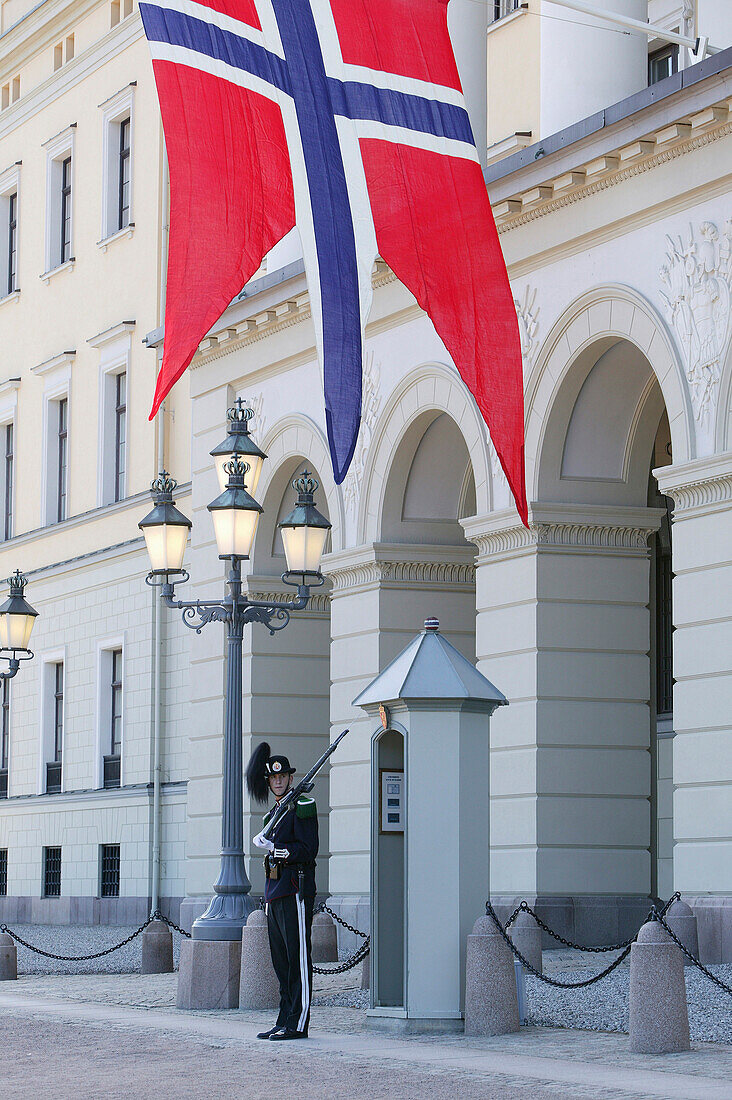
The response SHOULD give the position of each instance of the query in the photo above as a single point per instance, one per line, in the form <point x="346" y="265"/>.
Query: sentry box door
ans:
<point x="389" y="813"/>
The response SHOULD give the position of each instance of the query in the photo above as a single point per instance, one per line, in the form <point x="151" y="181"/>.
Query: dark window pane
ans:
<point x="8" y="494"/>
<point x="12" y="243"/>
<point x="123" y="213"/>
<point x="63" y="451"/>
<point x="52" y="872"/>
<point x="58" y="725"/>
<point x="120" y="436"/>
<point x="66" y="210"/>
<point x="3" y="872"/>
<point x="663" y="63"/>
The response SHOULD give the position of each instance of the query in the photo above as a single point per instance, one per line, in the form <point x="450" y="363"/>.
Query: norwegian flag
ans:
<point x="347" y="118"/>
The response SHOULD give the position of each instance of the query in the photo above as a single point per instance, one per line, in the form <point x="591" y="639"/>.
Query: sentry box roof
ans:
<point x="430" y="668"/>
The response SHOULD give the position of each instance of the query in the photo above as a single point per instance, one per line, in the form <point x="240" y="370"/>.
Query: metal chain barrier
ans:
<point x="358" y="955"/>
<point x="157" y="915"/>
<point x="524" y="907"/>
<point x="490" y="912"/>
<point x="655" y="915"/>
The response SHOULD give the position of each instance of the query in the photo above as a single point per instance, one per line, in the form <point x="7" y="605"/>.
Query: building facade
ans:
<point x="606" y="624"/>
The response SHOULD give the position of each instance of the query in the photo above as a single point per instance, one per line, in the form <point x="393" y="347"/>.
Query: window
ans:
<point x="118" y="140"/>
<point x="504" y="7"/>
<point x="60" y="199"/>
<point x="5" y="96"/>
<point x="109" y="870"/>
<point x="54" y="765"/>
<point x="52" y="872"/>
<point x="111" y="719"/>
<point x="7" y="430"/>
<point x="16" y="89"/>
<point x="124" y="174"/>
<point x="63" y="458"/>
<point x="664" y="619"/>
<point x="63" y="52"/>
<point x="119" y="9"/>
<point x="65" y="254"/>
<point x="120" y="434"/>
<point x="663" y="63"/>
<point x="3" y="872"/>
<point x="12" y="242"/>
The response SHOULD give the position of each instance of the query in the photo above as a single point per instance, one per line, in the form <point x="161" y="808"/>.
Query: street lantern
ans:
<point x="305" y="530"/>
<point x="235" y="513"/>
<point x="239" y="443"/>
<point x="165" y="528"/>
<point x="17" y="617"/>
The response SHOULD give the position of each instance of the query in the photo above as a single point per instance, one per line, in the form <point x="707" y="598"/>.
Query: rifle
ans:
<point x="305" y="785"/>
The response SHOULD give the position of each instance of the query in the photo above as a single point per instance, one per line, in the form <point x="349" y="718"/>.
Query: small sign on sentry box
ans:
<point x="392" y="802"/>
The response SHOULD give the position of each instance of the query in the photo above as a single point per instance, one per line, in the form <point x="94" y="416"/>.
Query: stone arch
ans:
<point x="591" y="326"/>
<point x="296" y="437"/>
<point x="431" y="387"/>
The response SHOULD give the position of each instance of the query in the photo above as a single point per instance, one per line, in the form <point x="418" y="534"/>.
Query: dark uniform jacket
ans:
<point x="298" y="833"/>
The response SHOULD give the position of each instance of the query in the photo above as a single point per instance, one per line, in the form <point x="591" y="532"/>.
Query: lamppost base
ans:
<point x="224" y="918"/>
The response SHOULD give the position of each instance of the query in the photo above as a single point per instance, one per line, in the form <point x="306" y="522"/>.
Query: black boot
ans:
<point x="270" y="1033"/>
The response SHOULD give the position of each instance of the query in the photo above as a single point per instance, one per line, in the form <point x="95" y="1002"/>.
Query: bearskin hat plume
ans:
<point x="257" y="784"/>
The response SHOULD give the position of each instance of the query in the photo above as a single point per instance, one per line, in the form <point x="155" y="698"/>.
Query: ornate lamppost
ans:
<point x="17" y="619"/>
<point x="235" y="516"/>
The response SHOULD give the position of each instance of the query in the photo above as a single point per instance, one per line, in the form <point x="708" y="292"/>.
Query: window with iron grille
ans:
<point x="120" y="435"/>
<point x="12" y="242"/>
<point x="109" y="863"/>
<point x="8" y="486"/>
<point x="65" y="210"/>
<point x="3" y="872"/>
<point x="63" y="458"/>
<point x="52" y="872"/>
<point x="123" y="212"/>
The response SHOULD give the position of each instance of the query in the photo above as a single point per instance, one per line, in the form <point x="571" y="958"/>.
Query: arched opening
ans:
<point x="287" y="675"/>
<point x="604" y="706"/>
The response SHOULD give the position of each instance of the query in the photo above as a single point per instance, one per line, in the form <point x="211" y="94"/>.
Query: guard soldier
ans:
<point x="289" y="890"/>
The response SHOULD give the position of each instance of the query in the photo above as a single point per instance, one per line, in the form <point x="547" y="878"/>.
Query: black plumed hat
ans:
<point x="260" y="767"/>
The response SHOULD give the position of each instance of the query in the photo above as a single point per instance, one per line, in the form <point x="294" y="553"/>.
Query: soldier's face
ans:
<point x="279" y="783"/>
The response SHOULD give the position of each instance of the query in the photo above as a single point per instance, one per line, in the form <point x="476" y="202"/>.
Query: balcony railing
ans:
<point x="53" y="777"/>
<point x="111" y="771"/>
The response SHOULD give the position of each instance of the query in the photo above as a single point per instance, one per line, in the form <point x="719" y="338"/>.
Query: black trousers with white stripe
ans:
<point x="289" y="923"/>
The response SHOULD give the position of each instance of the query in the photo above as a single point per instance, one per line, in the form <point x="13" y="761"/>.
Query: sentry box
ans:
<point x="429" y="830"/>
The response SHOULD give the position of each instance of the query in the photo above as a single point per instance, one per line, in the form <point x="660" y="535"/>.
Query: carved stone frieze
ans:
<point x="696" y="282"/>
<point x="370" y="408"/>
<point x="318" y="602"/>
<point x="562" y="534"/>
<point x="527" y="313"/>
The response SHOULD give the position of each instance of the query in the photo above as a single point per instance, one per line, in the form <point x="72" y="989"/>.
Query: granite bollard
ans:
<point x="258" y="984"/>
<point x="525" y="935"/>
<point x="157" y="949"/>
<point x="659" y="1019"/>
<point x="209" y="974"/>
<point x="366" y="972"/>
<point x="682" y="922"/>
<point x="491" y="999"/>
<point x="324" y="939"/>
<point x="8" y="958"/>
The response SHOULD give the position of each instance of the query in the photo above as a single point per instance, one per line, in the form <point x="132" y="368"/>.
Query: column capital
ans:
<point x="565" y="527"/>
<point x="401" y="565"/>
<point x="698" y="488"/>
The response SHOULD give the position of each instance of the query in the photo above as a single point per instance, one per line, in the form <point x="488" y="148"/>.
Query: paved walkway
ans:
<point x="106" y="1037"/>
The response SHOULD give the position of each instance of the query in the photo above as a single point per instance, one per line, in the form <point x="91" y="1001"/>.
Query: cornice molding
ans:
<point x="510" y="220"/>
<point x="63" y="359"/>
<point x="401" y="566"/>
<point x="699" y="487"/>
<point x="264" y="589"/>
<point x="123" y="328"/>
<point x="564" y="527"/>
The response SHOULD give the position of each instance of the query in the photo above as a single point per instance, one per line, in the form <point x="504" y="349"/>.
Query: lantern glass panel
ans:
<point x="235" y="529"/>
<point x="304" y="548"/>
<point x="166" y="546"/>
<point x="252" y="477"/>
<point x="15" y="630"/>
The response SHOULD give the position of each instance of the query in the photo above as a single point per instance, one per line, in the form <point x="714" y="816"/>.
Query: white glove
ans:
<point x="261" y="842"/>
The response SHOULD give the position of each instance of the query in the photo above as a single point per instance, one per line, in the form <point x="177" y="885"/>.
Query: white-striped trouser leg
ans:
<point x="304" y="972"/>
